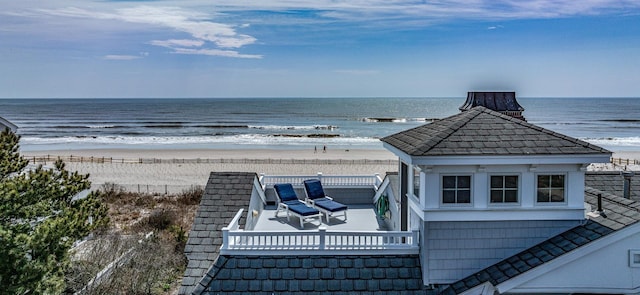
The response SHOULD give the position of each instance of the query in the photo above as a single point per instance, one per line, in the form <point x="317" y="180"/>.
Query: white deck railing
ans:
<point x="321" y="241"/>
<point x="327" y="180"/>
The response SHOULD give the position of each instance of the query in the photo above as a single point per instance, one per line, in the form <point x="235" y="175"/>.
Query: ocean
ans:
<point x="287" y="123"/>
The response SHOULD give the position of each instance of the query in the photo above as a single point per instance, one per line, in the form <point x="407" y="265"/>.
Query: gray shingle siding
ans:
<point x="457" y="249"/>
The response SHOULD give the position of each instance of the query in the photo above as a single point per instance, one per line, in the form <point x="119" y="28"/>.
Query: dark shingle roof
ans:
<point x="612" y="182"/>
<point x="480" y="131"/>
<point x="314" y="274"/>
<point x="620" y="212"/>
<point x="225" y="194"/>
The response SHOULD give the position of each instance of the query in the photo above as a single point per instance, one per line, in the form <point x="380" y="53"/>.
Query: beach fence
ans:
<point x="627" y="162"/>
<point x="154" y="189"/>
<point x="108" y="160"/>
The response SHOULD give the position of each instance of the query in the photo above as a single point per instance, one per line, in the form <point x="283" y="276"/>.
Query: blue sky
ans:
<point x="318" y="48"/>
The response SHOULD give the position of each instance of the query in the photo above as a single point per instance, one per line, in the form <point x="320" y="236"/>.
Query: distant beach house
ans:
<point x="5" y="124"/>
<point x="482" y="203"/>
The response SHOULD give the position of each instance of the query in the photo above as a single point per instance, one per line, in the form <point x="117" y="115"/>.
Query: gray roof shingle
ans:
<point x="314" y="274"/>
<point x="620" y="212"/>
<point x="612" y="182"/>
<point x="481" y="131"/>
<point x="225" y="194"/>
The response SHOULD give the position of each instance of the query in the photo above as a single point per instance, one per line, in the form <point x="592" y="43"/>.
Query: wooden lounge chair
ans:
<point x="289" y="202"/>
<point x="319" y="200"/>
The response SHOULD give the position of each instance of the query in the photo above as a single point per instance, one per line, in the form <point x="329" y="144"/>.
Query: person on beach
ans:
<point x="324" y="148"/>
<point x="315" y="149"/>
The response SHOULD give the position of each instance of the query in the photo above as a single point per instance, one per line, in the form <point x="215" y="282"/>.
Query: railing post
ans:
<point x="414" y="238"/>
<point x="225" y="238"/>
<point x="322" y="231"/>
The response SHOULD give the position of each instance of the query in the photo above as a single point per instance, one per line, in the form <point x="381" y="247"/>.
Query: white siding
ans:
<point x="456" y="249"/>
<point x="481" y="209"/>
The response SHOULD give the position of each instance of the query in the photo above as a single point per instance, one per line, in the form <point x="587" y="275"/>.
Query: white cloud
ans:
<point x="177" y="43"/>
<point x="410" y="11"/>
<point x="215" y="52"/>
<point x="120" y="57"/>
<point x="179" y="20"/>
<point x="176" y="18"/>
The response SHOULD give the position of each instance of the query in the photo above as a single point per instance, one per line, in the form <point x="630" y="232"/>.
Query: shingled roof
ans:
<point x="620" y="212"/>
<point x="225" y="194"/>
<point x="613" y="182"/>
<point x="481" y="131"/>
<point x="314" y="274"/>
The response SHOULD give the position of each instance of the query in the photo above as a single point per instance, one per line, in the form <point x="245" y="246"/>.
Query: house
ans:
<point x="482" y="203"/>
<point x="5" y="124"/>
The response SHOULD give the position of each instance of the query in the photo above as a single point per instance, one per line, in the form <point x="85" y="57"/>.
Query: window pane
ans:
<point x="557" y="180"/>
<point x="464" y="196"/>
<point x="543" y="195"/>
<point x="448" y="197"/>
<point x="448" y="181"/>
<point x="496" y="196"/>
<point x="557" y="195"/>
<point x="464" y="181"/>
<point x="511" y="196"/>
<point x="496" y="182"/>
<point x="543" y="181"/>
<point x="511" y="181"/>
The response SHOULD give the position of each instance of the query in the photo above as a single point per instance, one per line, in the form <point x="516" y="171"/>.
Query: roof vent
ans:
<point x="503" y="102"/>
<point x="599" y="212"/>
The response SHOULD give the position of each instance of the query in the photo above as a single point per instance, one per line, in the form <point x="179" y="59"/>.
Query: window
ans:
<point x="551" y="188"/>
<point x="416" y="182"/>
<point x="504" y="189"/>
<point x="456" y="189"/>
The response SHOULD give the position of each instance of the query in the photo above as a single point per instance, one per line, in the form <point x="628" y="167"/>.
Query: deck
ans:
<point x="362" y="231"/>
<point x="359" y="217"/>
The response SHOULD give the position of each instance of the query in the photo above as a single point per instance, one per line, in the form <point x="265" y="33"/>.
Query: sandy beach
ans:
<point x="176" y="170"/>
<point x="170" y="171"/>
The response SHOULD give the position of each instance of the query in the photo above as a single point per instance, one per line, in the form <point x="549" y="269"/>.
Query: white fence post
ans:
<point x="225" y="238"/>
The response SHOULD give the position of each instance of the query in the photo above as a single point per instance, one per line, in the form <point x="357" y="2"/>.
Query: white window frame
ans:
<point x="564" y="194"/>
<point x="518" y="188"/>
<point x="416" y="171"/>
<point x="442" y="203"/>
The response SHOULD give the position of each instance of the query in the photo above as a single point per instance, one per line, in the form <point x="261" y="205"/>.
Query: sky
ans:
<point x="318" y="48"/>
